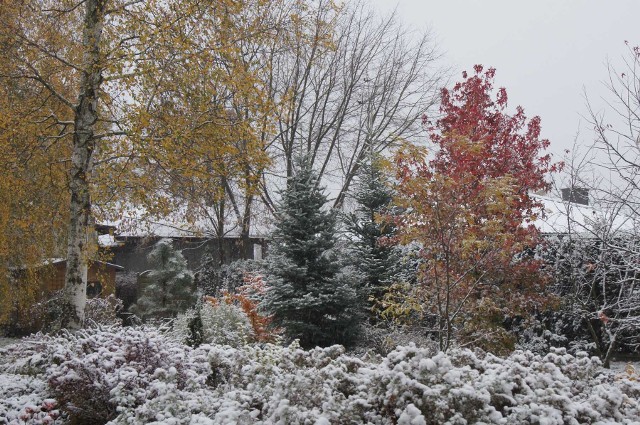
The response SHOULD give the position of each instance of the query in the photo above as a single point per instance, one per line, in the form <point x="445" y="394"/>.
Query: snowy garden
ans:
<point x="139" y="375"/>
<point x="245" y="354"/>
<point x="353" y="233"/>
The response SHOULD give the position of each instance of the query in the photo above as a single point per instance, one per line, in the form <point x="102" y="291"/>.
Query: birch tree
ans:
<point x="116" y="72"/>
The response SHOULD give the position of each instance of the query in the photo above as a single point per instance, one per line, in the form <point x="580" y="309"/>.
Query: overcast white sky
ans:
<point x="546" y="52"/>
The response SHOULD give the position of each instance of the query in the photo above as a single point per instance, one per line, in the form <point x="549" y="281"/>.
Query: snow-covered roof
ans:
<point x="135" y="222"/>
<point x="107" y="241"/>
<point x="54" y="261"/>
<point x="561" y="216"/>
<point x="164" y="228"/>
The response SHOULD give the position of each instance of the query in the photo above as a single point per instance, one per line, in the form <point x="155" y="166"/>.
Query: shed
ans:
<point x="101" y="277"/>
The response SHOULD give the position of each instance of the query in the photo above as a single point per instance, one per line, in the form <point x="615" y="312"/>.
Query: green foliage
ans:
<point x="221" y="323"/>
<point x="215" y="279"/>
<point x="196" y="331"/>
<point x="373" y="255"/>
<point x="167" y="289"/>
<point x="312" y="295"/>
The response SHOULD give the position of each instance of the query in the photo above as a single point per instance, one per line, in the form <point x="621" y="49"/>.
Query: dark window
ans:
<point x="94" y="289"/>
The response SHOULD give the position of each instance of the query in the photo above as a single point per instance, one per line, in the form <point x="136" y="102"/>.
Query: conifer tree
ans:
<point x="311" y="295"/>
<point x="375" y="260"/>
<point x="169" y="287"/>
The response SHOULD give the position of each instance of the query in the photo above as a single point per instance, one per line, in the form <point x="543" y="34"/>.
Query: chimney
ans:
<point x="576" y="195"/>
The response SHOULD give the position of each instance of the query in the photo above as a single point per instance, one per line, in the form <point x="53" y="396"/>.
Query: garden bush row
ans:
<point x="140" y="375"/>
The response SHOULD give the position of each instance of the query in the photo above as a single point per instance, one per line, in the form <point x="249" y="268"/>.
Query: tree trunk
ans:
<point x="86" y="116"/>
<point x="245" y="230"/>
<point x="613" y="346"/>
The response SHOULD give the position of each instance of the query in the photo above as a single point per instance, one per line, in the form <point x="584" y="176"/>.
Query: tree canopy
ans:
<point x="470" y="209"/>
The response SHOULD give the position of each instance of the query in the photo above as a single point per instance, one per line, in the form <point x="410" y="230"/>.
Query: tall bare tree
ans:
<point x="600" y="244"/>
<point x="339" y="83"/>
<point x="346" y="84"/>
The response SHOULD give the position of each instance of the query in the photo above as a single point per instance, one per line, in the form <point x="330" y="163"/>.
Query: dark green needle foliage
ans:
<point x="312" y="295"/>
<point x="168" y="288"/>
<point x="374" y="259"/>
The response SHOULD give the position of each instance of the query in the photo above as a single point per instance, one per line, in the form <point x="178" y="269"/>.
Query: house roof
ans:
<point x="135" y="222"/>
<point x="64" y="260"/>
<point x="562" y="217"/>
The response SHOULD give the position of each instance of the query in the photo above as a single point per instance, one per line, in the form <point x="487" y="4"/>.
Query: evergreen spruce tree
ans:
<point x="312" y="295"/>
<point x="377" y="262"/>
<point x="168" y="289"/>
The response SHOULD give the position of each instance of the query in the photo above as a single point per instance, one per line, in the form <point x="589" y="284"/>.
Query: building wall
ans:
<point x="132" y="255"/>
<point x="53" y="280"/>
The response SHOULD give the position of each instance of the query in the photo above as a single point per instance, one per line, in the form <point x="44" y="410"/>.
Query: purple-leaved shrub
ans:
<point x="138" y="375"/>
<point x="100" y="371"/>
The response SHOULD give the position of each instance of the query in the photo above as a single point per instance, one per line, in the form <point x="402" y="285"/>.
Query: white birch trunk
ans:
<point x="86" y="116"/>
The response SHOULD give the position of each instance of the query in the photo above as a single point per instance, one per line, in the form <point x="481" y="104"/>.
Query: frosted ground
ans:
<point x="138" y="375"/>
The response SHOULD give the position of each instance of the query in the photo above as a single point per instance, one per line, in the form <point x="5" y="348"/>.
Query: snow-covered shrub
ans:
<point x="553" y="329"/>
<point x="168" y="288"/>
<point x="247" y="297"/>
<point x="24" y="393"/>
<point x="594" y="271"/>
<point x="103" y="311"/>
<point x="96" y="372"/>
<point x="47" y="314"/>
<point x="30" y="357"/>
<point x="386" y="337"/>
<point x="273" y="384"/>
<point x="222" y="323"/>
<point x="23" y="401"/>
<point x="135" y="376"/>
<point x="214" y="279"/>
<point x="269" y="384"/>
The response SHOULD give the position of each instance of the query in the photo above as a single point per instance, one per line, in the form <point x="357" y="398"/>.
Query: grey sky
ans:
<point x="546" y="52"/>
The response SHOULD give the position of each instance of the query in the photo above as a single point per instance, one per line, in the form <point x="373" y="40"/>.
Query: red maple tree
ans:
<point x="470" y="210"/>
<point x="476" y="138"/>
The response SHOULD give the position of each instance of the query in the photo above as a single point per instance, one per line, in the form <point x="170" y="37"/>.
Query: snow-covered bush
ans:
<point x="273" y="384"/>
<point x="247" y="298"/>
<point x="47" y="315"/>
<point x="387" y="336"/>
<point x="23" y="399"/>
<point x="168" y="288"/>
<point x="94" y="373"/>
<point x="222" y="323"/>
<point x="103" y="311"/>
<point x="553" y="329"/>
<point x="24" y="393"/>
<point x="136" y="375"/>
<point x="269" y="384"/>
<point x="594" y="269"/>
